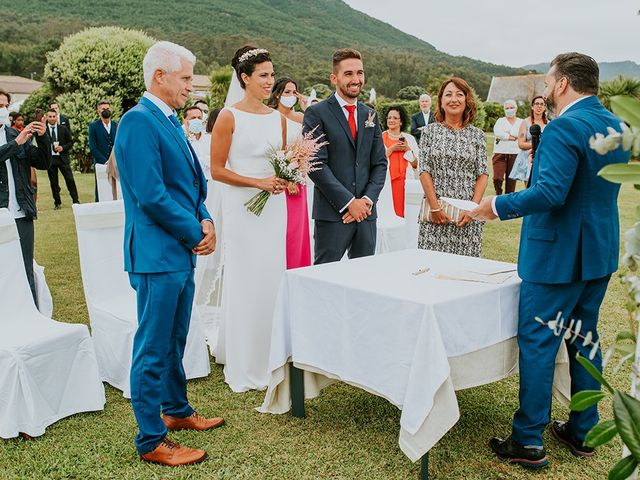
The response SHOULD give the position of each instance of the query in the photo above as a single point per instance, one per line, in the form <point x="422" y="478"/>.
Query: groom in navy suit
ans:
<point x="568" y="251"/>
<point x="354" y="165"/>
<point x="166" y="225"/>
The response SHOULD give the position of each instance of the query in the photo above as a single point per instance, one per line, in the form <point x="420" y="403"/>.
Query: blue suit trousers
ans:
<point x="158" y="381"/>
<point x="579" y="300"/>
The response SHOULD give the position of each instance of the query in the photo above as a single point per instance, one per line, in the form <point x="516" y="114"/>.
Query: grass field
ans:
<point x="348" y="433"/>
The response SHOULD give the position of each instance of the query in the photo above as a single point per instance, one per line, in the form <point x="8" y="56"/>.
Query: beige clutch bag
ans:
<point x="453" y="207"/>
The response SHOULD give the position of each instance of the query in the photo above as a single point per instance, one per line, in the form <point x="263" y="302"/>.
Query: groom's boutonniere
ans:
<point x="369" y="123"/>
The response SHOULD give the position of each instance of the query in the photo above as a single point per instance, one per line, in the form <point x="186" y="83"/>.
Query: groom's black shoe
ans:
<point x="561" y="431"/>
<point x="509" y="450"/>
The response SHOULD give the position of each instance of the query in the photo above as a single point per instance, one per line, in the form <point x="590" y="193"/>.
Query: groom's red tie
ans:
<point x="352" y="119"/>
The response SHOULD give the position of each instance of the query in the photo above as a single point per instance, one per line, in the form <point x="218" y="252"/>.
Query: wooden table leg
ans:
<point x="424" y="467"/>
<point x="297" y="391"/>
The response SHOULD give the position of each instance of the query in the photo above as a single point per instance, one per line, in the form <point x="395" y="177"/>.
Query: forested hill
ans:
<point x="300" y="33"/>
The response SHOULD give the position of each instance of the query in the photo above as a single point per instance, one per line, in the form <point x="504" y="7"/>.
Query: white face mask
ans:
<point x="195" y="126"/>
<point x="288" y="101"/>
<point x="4" y="116"/>
<point x="510" y="112"/>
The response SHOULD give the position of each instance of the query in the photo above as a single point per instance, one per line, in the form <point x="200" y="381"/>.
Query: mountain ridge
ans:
<point x="301" y="35"/>
<point x="608" y="70"/>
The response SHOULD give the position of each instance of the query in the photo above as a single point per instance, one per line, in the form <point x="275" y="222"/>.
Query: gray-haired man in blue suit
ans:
<point x="166" y="225"/>
<point x="354" y="165"/>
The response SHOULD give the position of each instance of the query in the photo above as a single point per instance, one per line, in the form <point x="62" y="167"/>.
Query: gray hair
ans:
<point x="165" y="56"/>
<point x="510" y="102"/>
<point x="424" y="96"/>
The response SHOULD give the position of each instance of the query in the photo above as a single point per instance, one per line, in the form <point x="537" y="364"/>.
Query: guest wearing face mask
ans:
<point x="102" y="135"/>
<point x="284" y="97"/>
<point x="505" y="149"/>
<point x="200" y="141"/>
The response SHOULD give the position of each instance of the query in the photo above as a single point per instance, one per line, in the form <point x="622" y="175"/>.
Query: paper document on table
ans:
<point x="471" y="276"/>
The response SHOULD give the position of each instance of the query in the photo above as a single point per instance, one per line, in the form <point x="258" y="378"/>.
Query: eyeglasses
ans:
<point x="539" y="104"/>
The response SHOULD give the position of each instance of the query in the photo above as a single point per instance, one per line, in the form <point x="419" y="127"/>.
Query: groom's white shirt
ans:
<point x="342" y="102"/>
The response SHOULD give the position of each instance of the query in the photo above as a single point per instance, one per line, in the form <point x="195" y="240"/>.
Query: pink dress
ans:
<point x="298" y="236"/>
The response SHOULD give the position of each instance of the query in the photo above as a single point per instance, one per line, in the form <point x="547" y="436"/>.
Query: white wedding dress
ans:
<point x="254" y="255"/>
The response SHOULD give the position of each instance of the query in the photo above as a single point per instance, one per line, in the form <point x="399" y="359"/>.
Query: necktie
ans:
<point x="176" y="124"/>
<point x="54" y="137"/>
<point x="352" y="119"/>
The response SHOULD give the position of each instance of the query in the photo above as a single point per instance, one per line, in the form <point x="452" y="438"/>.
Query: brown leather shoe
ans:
<point x="192" y="422"/>
<point x="172" y="454"/>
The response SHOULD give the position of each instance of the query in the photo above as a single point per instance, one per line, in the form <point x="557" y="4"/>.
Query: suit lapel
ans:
<point x="363" y="114"/>
<point x="336" y="109"/>
<point x="182" y="142"/>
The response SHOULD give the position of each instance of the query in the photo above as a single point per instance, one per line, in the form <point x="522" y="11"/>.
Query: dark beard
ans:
<point x="551" y="104"/>
<point x="346" y="94"/>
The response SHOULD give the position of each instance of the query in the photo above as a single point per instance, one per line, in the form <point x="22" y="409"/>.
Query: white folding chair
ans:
<point x="111" y="301"/>
<point x="390" y="227"/>
<point x="413" y="194"/>
<point x="48" y="369"/>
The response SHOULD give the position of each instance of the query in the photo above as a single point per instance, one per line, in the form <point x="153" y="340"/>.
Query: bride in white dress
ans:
<point x="254" y="246"/>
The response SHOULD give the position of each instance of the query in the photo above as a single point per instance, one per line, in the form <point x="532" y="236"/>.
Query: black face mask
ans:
<point x="106" y="113"/>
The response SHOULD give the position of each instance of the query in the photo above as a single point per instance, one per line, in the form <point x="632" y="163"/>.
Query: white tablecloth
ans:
<point x="370" y="322"/>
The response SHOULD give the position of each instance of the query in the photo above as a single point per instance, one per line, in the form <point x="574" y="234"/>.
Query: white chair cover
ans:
<point x="391" y="228"/>
<point x="111" y="301"/>
<point x="413" y="194"/>
<point x="45" y="302"/>
<point x="48" y="369"/>
<point x="105" y="191"/>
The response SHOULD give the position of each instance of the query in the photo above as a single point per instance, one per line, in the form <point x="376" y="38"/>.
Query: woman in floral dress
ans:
<point x="453" y="164"/>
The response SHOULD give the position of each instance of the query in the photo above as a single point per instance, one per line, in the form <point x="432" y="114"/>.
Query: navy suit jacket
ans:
<point x="417" y="121"/>
<point x="570" y="231"/>
<point x="349" y="168"/>
<point x="101" y="142"/>
<point x="163" y="190"/>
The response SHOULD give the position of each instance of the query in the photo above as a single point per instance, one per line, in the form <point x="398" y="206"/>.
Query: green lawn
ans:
<point x="348" y="433"/>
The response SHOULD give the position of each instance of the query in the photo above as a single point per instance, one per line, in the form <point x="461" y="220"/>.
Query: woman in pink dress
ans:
<point x="283" y="98"/>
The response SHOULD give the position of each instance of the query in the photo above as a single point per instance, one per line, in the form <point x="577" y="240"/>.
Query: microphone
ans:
<point x="535" y="132"/>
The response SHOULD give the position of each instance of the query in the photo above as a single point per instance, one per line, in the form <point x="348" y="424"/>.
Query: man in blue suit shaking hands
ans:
<point x="166" y="225"/>
<point x="568" y="250"/>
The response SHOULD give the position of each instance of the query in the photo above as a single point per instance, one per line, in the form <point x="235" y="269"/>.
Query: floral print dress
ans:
<point x="454" y="159"/>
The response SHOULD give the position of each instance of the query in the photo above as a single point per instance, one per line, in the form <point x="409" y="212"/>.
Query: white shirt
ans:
<point x="202" y="147"/>
<point x="572" y="104"/>
<point x="107" y="126"/>
<point x="51" y="129"/>
<point x="502" y="130"/>
<point x="13" y="206"/>
<point x="426" y="118"/>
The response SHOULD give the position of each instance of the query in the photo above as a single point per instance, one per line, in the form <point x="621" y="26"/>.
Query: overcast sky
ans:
<point x="500" y="31"/>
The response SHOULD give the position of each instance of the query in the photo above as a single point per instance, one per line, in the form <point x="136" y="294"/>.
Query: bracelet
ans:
<point x="435" y="210"/>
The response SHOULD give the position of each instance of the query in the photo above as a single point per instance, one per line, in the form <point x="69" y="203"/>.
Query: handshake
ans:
<point x="358" y="210"/>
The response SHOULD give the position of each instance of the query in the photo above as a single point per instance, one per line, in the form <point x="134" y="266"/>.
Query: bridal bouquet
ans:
<point x="292" y="164"/>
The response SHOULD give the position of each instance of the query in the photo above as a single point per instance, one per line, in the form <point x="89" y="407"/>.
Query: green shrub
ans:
<point x="96" y="63"/>
<point x="619" y="85"/>
<point x="322" y="91"/>
<point x="493" y="112"/>
<point x="40" y="98"/>
<point x="411" y="92"/>
<point x="220" y="81"/>
<point x="410" y="106"/>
